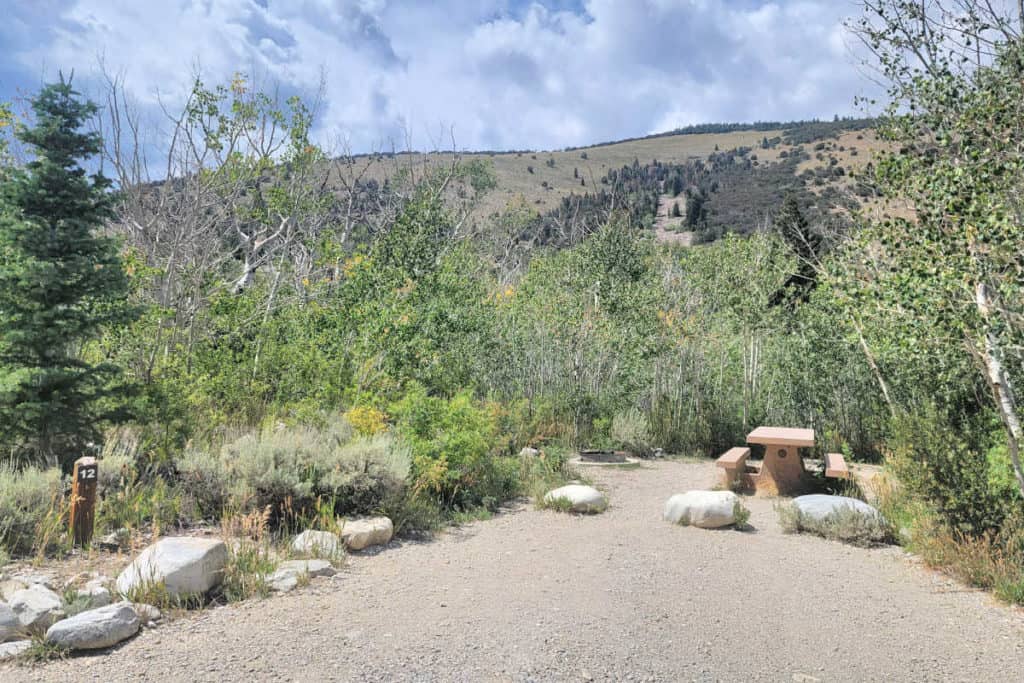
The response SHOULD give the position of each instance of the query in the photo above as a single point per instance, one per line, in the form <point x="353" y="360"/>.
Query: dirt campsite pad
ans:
<point x="538" y="595"/>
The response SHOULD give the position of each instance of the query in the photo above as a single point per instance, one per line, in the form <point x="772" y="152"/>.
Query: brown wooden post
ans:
<point x="83" y="499"/>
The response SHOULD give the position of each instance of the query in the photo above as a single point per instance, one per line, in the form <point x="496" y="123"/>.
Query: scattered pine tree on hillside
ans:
<point x="806" y="244"/>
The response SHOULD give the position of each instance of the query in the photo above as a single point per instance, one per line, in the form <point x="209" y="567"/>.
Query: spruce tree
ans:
<point x="806" y="245"/>
<point x="61" y="284"/>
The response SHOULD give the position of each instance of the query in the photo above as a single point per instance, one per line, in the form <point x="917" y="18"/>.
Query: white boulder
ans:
<point x="95" y="628"/>
<point x="10" y="626"/>
<point x="311" y="567"/>
<point x="97" y="593"/>
<point x="37" y="607"/>
<point x="282" y="583"/>
<point x="819" y="507"/>
<point x="529" y="453"/>
<point x="362" y="533"/>
<point x="185" y="566"/>
<point x="317" y="543"/>
<point x="581" y="498"/>
<point x="12" y="650"/>
<point x="287" y="575"/>
<point x="703" y="509"/>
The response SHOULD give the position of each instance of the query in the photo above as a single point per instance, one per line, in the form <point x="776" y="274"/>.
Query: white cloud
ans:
<point x="502" y="73"/>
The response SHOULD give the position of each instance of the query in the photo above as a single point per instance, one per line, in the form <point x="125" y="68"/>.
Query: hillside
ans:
<point x="816" y="160"/>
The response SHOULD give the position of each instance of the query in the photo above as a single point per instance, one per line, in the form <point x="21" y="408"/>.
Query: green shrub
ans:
<point x="138" y="503"/>
<point x="411" y="514"/>
<point x="250" y="563"/>
<point x="293" y="470"/>
<point x="631" y="431"/>
<point x="949" y="463"/>
<point x="28" y="501"/>
<point x="991" y="561"/>
<point x="538" y="475"/>
<point x="741" y="514"/>
<point x="452" y="444"/>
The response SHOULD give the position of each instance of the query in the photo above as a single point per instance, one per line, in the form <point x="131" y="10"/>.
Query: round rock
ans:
<point x="13" y="649"/>
<point x="703" y="509"/>
<point x="362" y="533"/>
<point x="95" y="628"/>
<point x="581" y="498"/>
<point x="37" y="607"/>
<point x="317" y="543"/>
<point x="819" y="506"/>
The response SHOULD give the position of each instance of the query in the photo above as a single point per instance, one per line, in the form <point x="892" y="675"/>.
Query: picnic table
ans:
<point x="782" y="470"/>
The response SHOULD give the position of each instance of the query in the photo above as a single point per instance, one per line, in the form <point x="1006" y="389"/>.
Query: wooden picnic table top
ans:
<point x="782" y="436"/>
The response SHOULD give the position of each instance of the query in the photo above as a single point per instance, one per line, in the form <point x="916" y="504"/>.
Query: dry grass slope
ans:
<point x="542" y="179"/>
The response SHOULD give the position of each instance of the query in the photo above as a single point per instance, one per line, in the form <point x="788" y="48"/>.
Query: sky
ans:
<point x="490" y="74"/>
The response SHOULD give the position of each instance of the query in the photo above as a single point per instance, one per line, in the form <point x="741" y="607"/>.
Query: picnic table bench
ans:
<point x="734" y="462"/>
<point x="835" y="466"/>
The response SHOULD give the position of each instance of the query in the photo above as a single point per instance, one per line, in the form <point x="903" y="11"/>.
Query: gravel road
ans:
<point x="538" y="596"/>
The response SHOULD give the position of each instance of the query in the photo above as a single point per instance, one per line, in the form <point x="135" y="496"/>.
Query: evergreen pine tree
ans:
<point x="61" y="284"/>
<point x="806" y="244"/>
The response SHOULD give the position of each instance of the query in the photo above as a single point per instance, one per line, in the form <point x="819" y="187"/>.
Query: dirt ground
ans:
<point x="537" y="596"/>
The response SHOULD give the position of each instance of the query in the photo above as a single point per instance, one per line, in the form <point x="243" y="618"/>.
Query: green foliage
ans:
<point x="949" y="280"/>
<point x="941" y="460"/>
<point x="42" y="650"/>
<point x="61" y="285"/>
<point x="411" y="513"/>
<point x="551" y="470"/>
<point x="741" y="515"/>
<point x="452" y="444"/>
<point x="155" y="593"/>
<point x="27" y="500"/>
<point x="580" y="331"/>
<point x="291" y="470"/>
<point x="249" y="565"/>
<point x="418" y="307"/>
<point x="631" y="431"/>
<point x="991" y="561"/>
<point x="563" y="505"/>
<point x="6" y="124"/>
<point x="155" y="503"/>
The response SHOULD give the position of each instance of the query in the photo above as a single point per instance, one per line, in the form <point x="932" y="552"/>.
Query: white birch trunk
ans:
<point x="999" y="381"/>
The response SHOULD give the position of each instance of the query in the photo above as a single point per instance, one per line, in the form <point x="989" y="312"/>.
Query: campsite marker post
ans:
<point x="83" y="499"/>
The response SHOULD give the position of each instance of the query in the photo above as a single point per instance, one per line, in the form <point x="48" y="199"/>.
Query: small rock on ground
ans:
<point x="319" y="543"/>
<point x="96" y="628"/>
<point x="37" y="607"/>
<point x="97" y="592"/>
<point x="13" y="649"/>
<point x="311" y="567"/>
<point x="363" y="533"/>
<point x="287" y="575"/>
